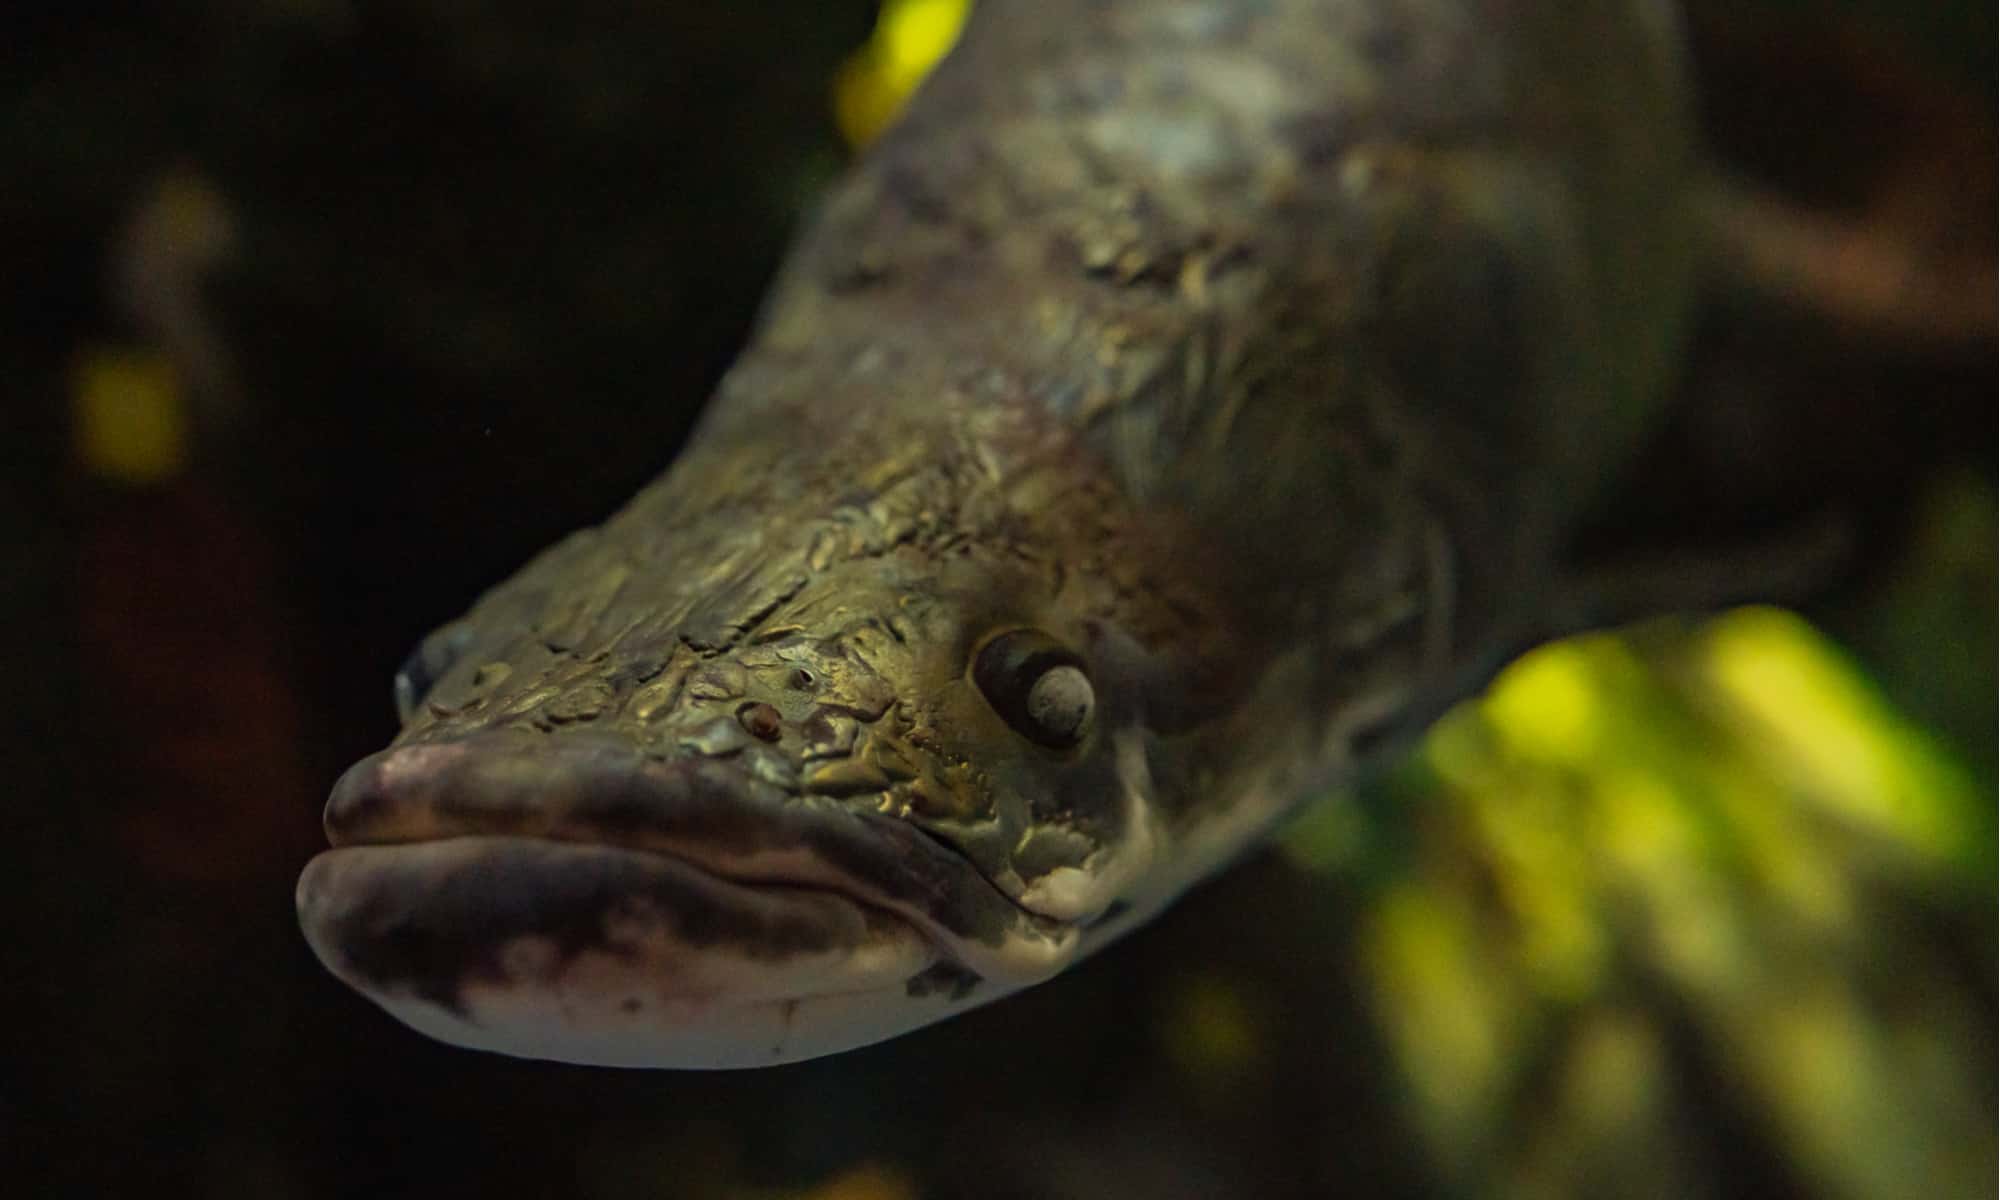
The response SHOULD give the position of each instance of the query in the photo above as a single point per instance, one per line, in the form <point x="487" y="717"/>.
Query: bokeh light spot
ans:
<point x="131" y="418"/>
<point x="910" y="38"/>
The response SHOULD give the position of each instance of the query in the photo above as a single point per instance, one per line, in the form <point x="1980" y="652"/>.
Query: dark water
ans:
<point x="486" y="264"/>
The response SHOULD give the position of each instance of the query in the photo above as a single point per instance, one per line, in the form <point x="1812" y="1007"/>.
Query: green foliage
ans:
<point x="1655" y="881"/>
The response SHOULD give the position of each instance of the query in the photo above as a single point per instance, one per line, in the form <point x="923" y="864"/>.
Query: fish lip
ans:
<point x="311" y="894"/>
<point x="589" y="953"/>
<point x="701" y="812"/>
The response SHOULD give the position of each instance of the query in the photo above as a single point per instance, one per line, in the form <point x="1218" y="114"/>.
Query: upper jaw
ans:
<point x="705" y="813"/>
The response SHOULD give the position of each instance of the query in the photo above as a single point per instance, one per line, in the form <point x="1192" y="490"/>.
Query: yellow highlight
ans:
<point x="1828" y="729"/>
<point x="1644" y="825"/>
<point x="1547" y="705"/>
<point x="131" y="417"/>
<point x="1562" y="946"/>
<point x="1460" y="748"/>
<point x="1443" y="1005"/>
<point x="910" y="38"/>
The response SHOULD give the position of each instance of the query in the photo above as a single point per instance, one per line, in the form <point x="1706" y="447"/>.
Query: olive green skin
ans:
<point x="1259" y="355"/>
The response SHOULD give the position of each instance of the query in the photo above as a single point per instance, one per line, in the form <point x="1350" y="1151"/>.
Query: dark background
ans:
<point x="484" y="262"/>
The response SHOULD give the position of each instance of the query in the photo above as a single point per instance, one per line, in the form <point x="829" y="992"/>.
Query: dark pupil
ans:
<point x="1006" y="671"/>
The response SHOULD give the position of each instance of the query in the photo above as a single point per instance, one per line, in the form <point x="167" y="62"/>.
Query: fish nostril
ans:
<point x="802" y="679"/>
<point x="427" y="664"/>
<point x="760" y="721"/>
<point x="828" y="734"/>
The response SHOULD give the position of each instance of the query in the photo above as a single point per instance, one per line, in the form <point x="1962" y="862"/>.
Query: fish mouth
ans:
<point x="574" y="898"/>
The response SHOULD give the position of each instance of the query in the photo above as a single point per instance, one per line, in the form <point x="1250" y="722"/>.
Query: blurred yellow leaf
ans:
<point x="1719" y="827"/>
<point x="910" y="37"/>
<point x="131" y="418"/>
<point x="1447" y="1006"/>
<point x="1824" y="725"/>
<point x="1547" y="705"/>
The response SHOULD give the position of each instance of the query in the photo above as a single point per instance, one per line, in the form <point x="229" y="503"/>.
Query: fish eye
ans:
<point x="1037" y="685"/>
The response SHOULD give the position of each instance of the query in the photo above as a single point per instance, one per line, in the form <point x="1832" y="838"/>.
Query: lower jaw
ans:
<point x="760" y="1034"/>
<point x="607" y="955"/>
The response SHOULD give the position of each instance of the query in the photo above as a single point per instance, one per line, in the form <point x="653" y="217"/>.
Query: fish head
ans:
<point x="686" y="792"/>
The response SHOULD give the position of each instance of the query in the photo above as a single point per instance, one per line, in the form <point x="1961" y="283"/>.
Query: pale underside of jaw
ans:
<point x="574" y="1024"/>
<point x="611" y="956"/>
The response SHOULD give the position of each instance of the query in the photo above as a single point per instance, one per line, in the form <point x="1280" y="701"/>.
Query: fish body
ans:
<point x="1179" y="399"/>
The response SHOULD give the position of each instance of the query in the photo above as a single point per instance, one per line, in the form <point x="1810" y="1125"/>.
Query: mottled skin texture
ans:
<point x="1259" y="355"/>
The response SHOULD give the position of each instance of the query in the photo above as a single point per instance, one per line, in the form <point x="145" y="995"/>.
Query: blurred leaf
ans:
<point x="1721" y="829"/>
<point x="130" y="415"/>
<point x="910" y="38"/>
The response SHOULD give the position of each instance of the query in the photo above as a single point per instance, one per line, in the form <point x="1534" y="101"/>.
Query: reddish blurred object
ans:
<point x="187" y="688"/>
<point x="1857" y="183"/>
